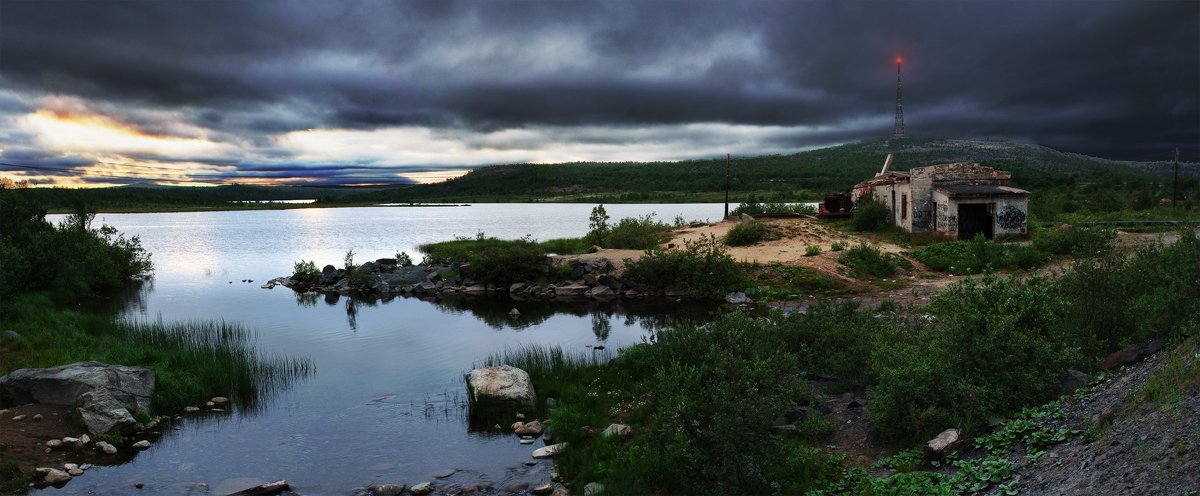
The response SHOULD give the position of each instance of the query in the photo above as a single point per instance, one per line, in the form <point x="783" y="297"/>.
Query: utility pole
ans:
<point x="727" y="184"/>
<point x="1175" y="184"/>
<point x="898" y="130"/>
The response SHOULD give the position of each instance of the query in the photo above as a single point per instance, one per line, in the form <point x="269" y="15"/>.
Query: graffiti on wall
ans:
<point x="1011" y="218"/>
<point x="922" y="216"/>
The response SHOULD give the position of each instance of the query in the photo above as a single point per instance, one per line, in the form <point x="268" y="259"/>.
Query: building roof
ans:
<point x="963" y="190"/>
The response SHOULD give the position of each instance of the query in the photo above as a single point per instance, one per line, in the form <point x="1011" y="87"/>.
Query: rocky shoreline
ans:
<point x="573" y="280"/>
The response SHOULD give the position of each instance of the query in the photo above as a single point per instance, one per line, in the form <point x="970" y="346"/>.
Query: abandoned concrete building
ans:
<point x="958" y="200"/>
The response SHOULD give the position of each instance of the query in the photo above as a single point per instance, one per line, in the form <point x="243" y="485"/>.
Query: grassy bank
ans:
<point x="701" y="399"/>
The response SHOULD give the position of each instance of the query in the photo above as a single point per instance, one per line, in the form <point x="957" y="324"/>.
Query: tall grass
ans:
<point x="192" y="361"/>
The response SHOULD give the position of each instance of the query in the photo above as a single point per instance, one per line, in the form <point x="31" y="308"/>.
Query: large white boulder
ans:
<point x="504" y="386"/>
<point x="62" y="385"/>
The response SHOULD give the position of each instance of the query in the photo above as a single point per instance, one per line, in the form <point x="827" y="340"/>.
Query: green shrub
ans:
<point x="869" y="215"/>
<point x="566" y="246"/>
<point x="812" y="250"/>
<point x="305" y="271"/>
<point x="403" y="259"/>
<point x="746" y="233"/>
<point x="979" y="255"/>
<point x="835" y="340"/>
<point x="703" y="268"/>
<point x="867" y="260"/>
<point x="753" y="207"/>
<point x="989" y="348"/>
<point x="640" y="233"/>
<point x="1075" y="241"/>
<point x="838" y="245"/>
<point x="598" y="229"/>
<point x="491" y="260"/>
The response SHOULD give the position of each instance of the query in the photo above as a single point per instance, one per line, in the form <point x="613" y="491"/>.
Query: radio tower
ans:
<point x="898" y="132"/>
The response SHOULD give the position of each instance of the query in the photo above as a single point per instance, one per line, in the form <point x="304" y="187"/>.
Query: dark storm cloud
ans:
<point x="1117" y="78"/>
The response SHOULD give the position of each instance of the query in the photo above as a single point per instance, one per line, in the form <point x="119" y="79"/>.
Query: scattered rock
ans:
<point x="514" y="312"/>
<point x="549" y="451"/>
<point x="191" y="409"/>
<point x="264" y="489"/>
<point x="526" y="440"/>
<point x="74" y="472"/>
<point x="54" y="444"/>
<point x="571" y="290"/>
<point x="941" y="445"/>
<point x="37" y="417"/>
<point x="53" y="476"/>
<point x="143" y="444"/>
<point x="517" y="487"/>
<point x="422" y="488"/>
<point x="504" y="385"/>
<point x="737" y="298"/>
<point x="107" y="448"/>
<point x="1072" y="380"/>
<point x="593" y="489"/>
<point x="445" y="473"/>
<point x="621" y="431"/>
<point x="532" y="428"/>
<point x="856" y="403"/>
<point x="18" y="418"/>
<point x="542" y="489"/>
<point x="387" y="489"/>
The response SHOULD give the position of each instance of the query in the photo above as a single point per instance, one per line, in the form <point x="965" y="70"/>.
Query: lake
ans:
<point x="387" y="400"/>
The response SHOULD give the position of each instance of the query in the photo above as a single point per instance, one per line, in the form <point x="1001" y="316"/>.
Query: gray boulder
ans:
<point x="329" y="275"/>
<point x="942" y="445"/>
<point x="601" y="292"/>
<point x="504" y="386"/>
<point x="53" y="476"/>
<point x="1072" y="380"/>
<point x="10" y="335"/>
<point x="422" y="488"/>
<point x="131" y="386"/>
<point x="573" y="290"/>
<point x="102" y="413"/>
<point x="737" y="298"/>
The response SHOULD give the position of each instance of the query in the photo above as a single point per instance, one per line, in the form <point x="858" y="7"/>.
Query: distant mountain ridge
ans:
<point x="805" y="175"/>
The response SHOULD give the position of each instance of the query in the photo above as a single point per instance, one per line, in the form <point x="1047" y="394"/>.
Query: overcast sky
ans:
<point x="360" y="91"/>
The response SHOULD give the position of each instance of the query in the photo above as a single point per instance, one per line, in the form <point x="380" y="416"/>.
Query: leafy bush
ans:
<point x="868" y="260"/>
<point x="1075" y="241"/>
<point x="812" y="250"/>
<point x="869" y="215"/>
<point x="824" y="327"/>
<point x="491" y="260"/>
<point x="403" y="259"/>
<point x="70" y="259"/>
<point x="640" y="233"/>
<point x="979" y="255"/>
<point x="746" y="233"/>
<point x="703" y="268"/>
<point x="305" y="271"/>
<point x="838" y="245"/>
<point x="989" y="347"/>
<point x="598" y="228"/>
<point x="753" y="207"/>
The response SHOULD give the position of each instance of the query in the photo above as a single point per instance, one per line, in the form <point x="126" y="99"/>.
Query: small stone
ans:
<point x="520" y="416"/>
<point x="220" y="400"/>
<point x="514" y="312"/>
<point x="542" y="489"/>
<point x="107" y="448"/>
<point x="941" y="445"/>
<point x="18" y="418"/>
<point x="54" y="443"/>
<point x="218" y="410"/>
<point x="191" y="409"/>
<point x="526" y="440"/>
<point x="530" y="463"/>
<point x="85" y="466"/>
<point x="73" y="441"/>
<point x="74" y="472"/>
<point x="518" y="487"/>
<point x="143" y="444"/>
<point x="140" y="485"/>
<point x="387" y="489"/>
<point x="531" y="428"/>
<point x="593" y="489"/>
<point x="53" y="476"/>
<point x="422" y="488"/>
<point x="70" y="466"/>
<point x="83" y="441"/>
<point x="37" y="417"/>
<point x="210" y="404"/>
<point x="445" y="473"/>
<point x="549" y="451"/>
<point x="620" y="431"/>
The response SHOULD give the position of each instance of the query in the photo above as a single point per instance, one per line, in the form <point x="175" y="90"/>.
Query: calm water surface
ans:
<point x="386" y="403"/>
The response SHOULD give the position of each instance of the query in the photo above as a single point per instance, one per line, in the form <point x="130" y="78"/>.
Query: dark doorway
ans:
<point x="974" y="218"/>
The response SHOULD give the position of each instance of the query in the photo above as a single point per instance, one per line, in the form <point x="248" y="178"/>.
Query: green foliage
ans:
<point x="305" y="271"/>
<point x="752" y="206"/>
<point x="868" y="261"/>
<point x="403" y="259"/>
<point x="641" y="233"/>
<point x="703" y="268"/>
<point x="834" y="340"/>
<point x="191" y="361"/>
<point x="566" y="246"/>
<point x="709" y="435"/>
<point x="1075" y="241"/>
<point x="869" y="215"/>
<point x="989" y="346"/>
<point x="778" y="281"/>
<point x="598" y="229"/>
<point x="979" y="255"/>
<point x="838" y="245"/>
<point x="812" y="250"/>
<point x="746" y="233"/>
<point x="904" y="461"/>
<point x="67" y="260"/>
